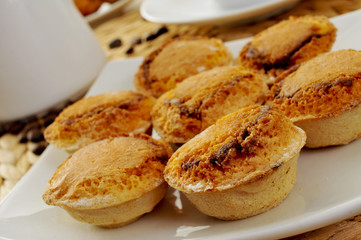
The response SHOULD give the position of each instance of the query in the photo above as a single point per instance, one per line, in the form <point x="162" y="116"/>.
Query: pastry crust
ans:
<point x="338" y="130"/>
<point x="117" y="113"/>
<point x="322" y="90"/>
<point x="200" y="100"/>
<point x="122" y="214"/>
<point x="247" y="149"/>
<point x="178" y="59"/>
<point x="287" y="44"/>
<point x="98" y="182"/>
<point x="87" y="7"/>
<point x="251" y="198"/>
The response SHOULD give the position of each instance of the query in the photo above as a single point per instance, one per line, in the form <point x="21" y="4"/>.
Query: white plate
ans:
<point x="327" y="189"/>
<point x="211" y="11"/>
<point x="105" y="10"/>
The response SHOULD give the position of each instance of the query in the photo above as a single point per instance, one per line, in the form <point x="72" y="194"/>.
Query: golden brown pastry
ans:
<point x="241" y="166"/>
<point x="87" y="7"/>
<point x="323" y="97"/>
<point x="200" y="100"/>
<point x="288" y="43"/>
<point x="178" y="59"/>
<point x="112" y="182"/>
<point x="94" y="118"/>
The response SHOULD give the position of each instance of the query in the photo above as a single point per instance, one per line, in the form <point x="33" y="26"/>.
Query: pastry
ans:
<point x="198" y="101"/>
<point x="323" y="97"/>
<point x="288" y="43"/>
<point x="111" y="114"/>
<point x="87" y="7"/>
<point x="111" y="183"/>
<point x="241" y="166"/>
<point x="178" y="59"/>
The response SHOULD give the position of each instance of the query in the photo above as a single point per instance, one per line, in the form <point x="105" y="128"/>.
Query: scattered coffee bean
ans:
<point x="9" y="171"/>
<point x="2" y="130"/>
<point x="8" y="141"/>
<point x="150" y="37"/>
<point x="130" y="50"/>
<point x="159" y="32"/>
<point x="136" y="41"/>
<point x="27" y="133"/>
<point x="22" y="138"/>
<point x="19" y="150"/>
<point x="49" y="119"/>
<point x="31" y="157"/>
<point x="32" y="125"/>
<point x="15" y="127"/>
<point x="115" y="43"/>
<point x="39" y="149"/>
<point x="162" y="30"/>
<point x="35" y="135"/>
<point x="7" y="156"/>
<point x="21" y="143"/>
<point x="31" y="120"/>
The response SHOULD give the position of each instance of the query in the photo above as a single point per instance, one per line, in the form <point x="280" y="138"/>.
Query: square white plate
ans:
<point x="327" y="189"/>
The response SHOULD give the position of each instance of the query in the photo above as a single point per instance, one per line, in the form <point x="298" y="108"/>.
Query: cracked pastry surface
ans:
<point x="95" y="118"/>
<point x="178" y="59"/>
<point x="111" y="182"/>
<point x="200" y="100"/>
<point x="253" y="150"/>
<point x="323" y="89"/>
<point x="288" y="43"/>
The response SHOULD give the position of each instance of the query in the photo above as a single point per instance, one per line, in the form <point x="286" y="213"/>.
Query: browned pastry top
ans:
<point x="241" y="147"/>
<point x="178" y="59"/>
<point x="322" y="87"/>
<point x="108" y="172"/>
<point x="200" y="100"/>
<point x="279" y="41"/>
<point x="94" y="118"/>
<point x="287" y="43"/>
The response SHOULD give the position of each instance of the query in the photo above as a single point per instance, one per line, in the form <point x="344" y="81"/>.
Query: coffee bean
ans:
<point x="162" y="30"/>
<point x="35" y="124"/>
<point x="15" y="127"/>
<point x="22" y="138"/>
<point x="115" y="43"/>
<point x="39" y="149"/>
<point x="49" y="119"/>
<point x="130" y="50"/>
<point x="159" y="32"/>
<point x="2" y="130"/>
<point x="35" y="135"/>
<point x="31" y="120"/>
<point x="151" y="37"/>
<point x="136" y="41"/>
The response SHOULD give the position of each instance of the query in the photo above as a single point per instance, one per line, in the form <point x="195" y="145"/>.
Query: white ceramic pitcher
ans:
<point x="48" y="53"/>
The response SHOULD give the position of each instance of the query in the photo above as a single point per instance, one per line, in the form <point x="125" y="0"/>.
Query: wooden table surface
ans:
<point x="129" y="26"/>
